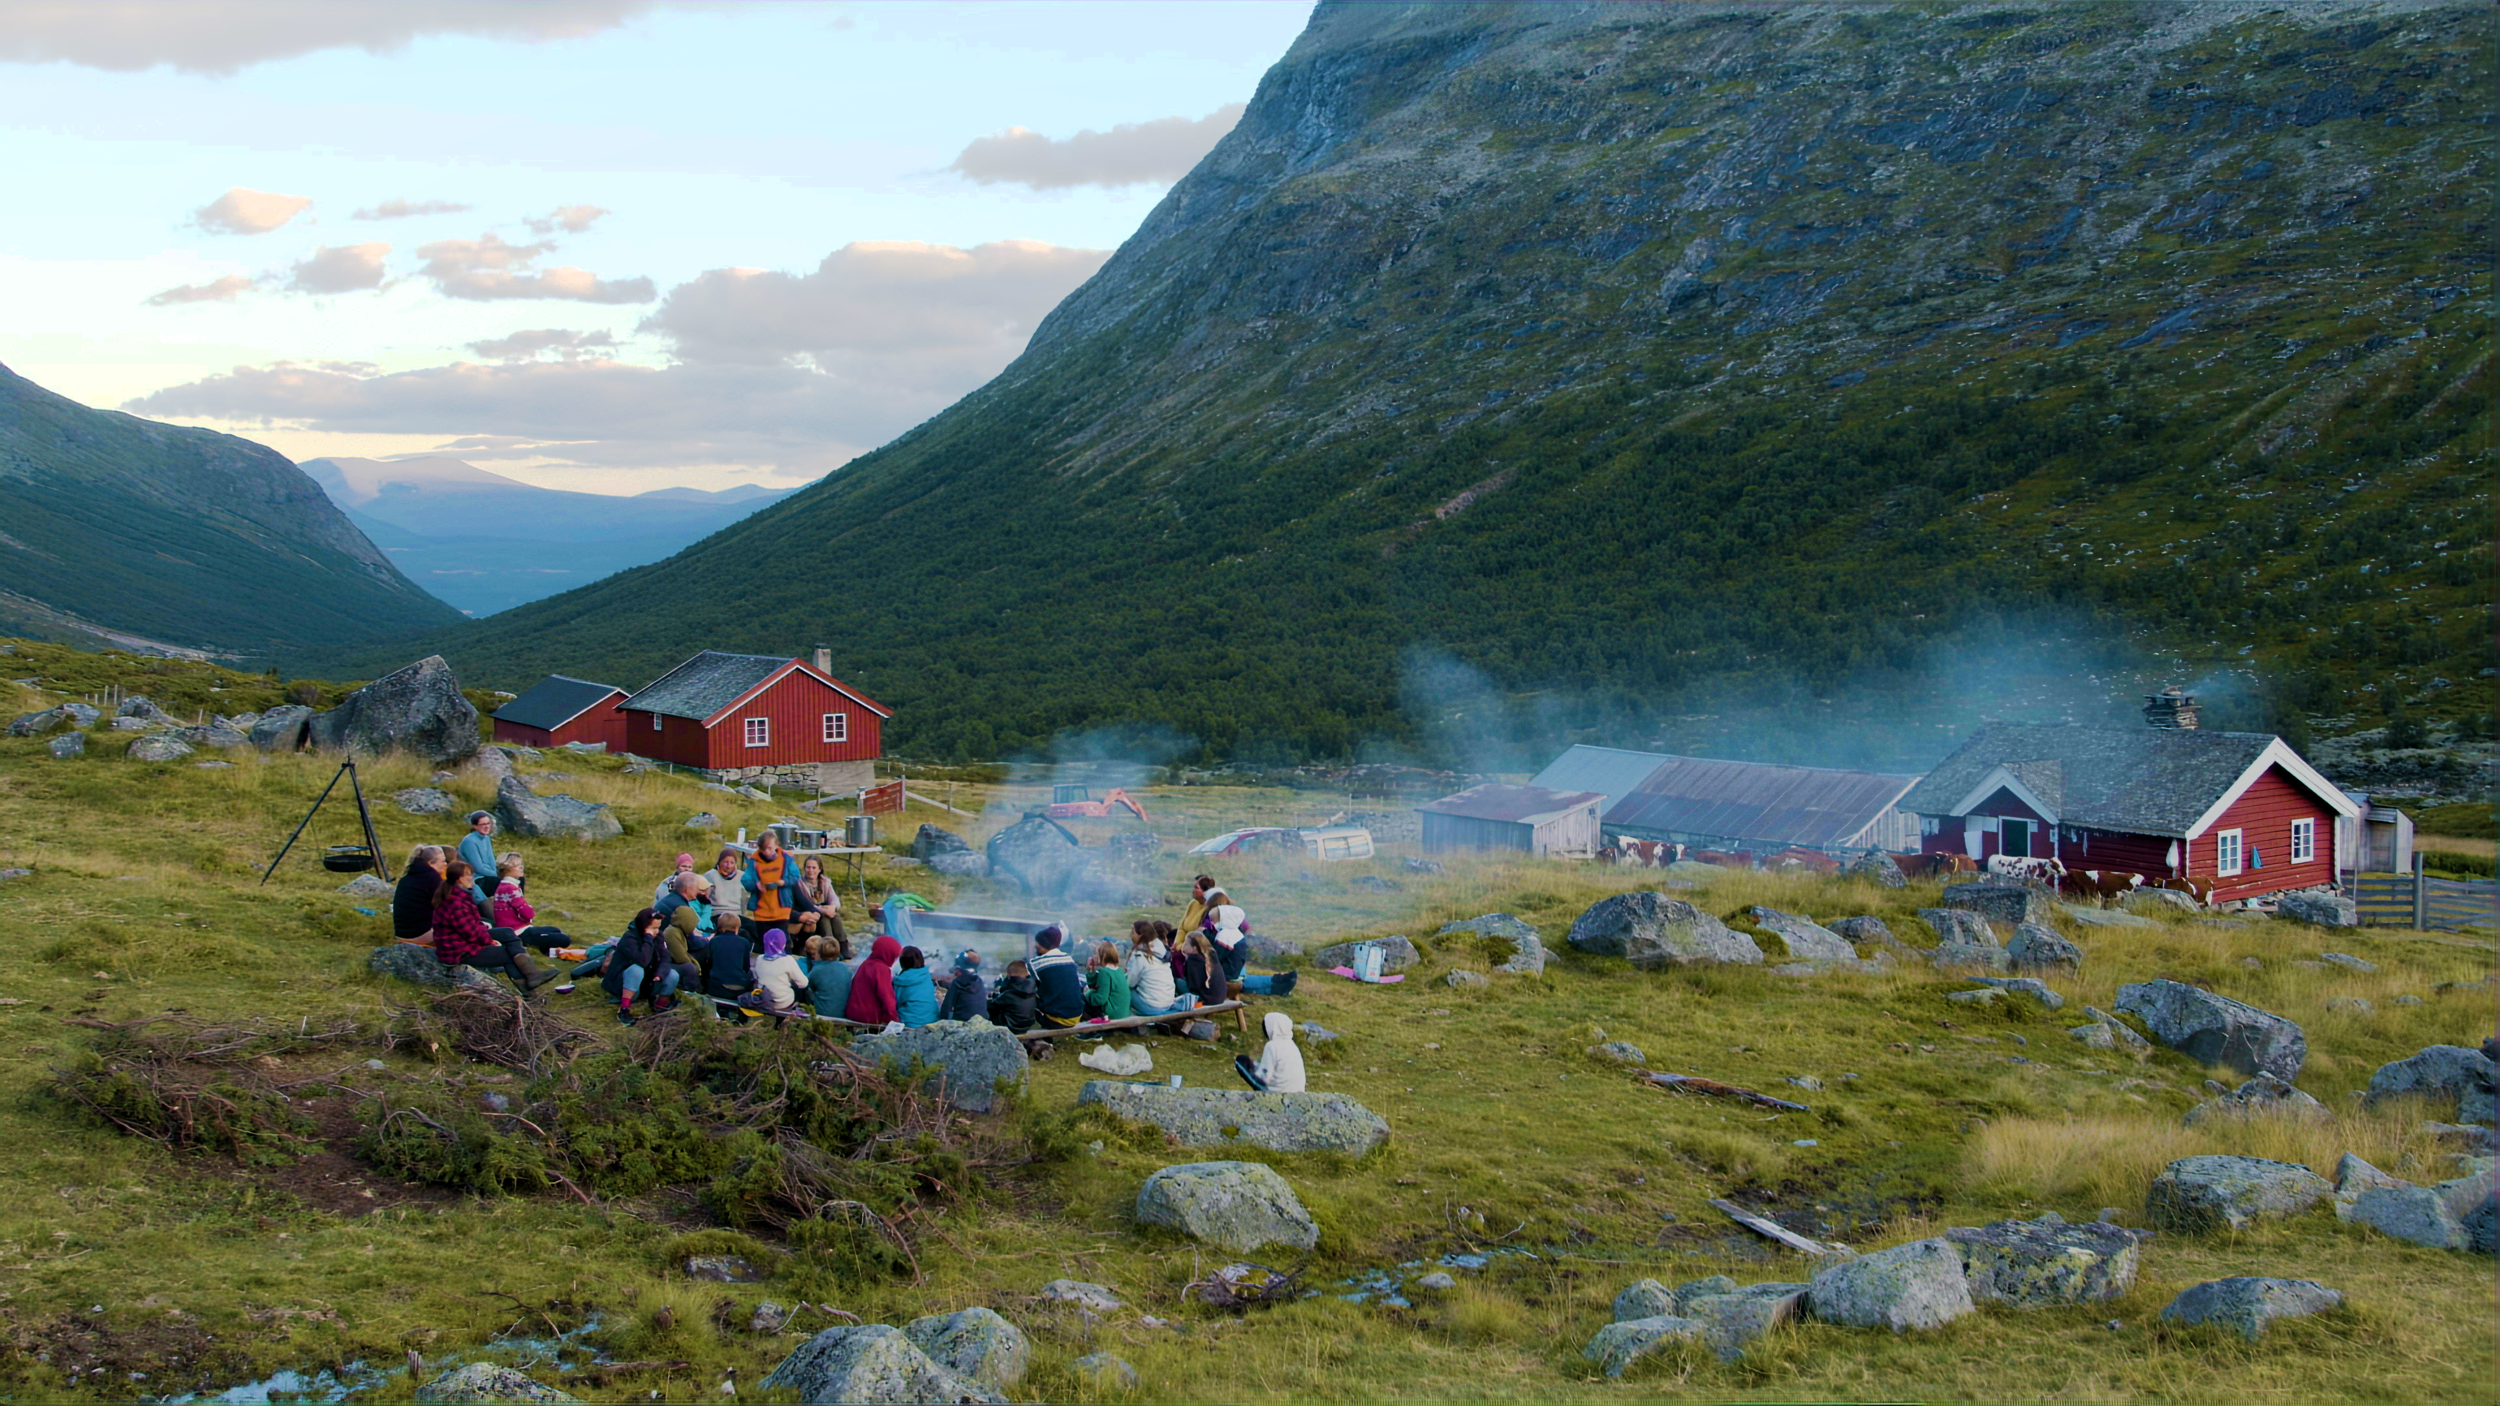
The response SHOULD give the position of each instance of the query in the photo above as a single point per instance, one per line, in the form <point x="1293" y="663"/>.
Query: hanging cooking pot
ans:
<point x="347" y="859"/>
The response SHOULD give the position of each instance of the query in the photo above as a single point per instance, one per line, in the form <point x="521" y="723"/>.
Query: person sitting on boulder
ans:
<point x="1106" y="985"/>
<point x="966" y="994"/>
<point x="828" y="975"/>
<point x="412" y="900"/>
<point x="1279" y="1067"/>
<point x="461" y="936"/>
<point x="1061" y="982"/>
<point x="915" y="990"/>
<point x="872" y="985"/>
<point x="778" y="977"/>
<point x="1016" y="1003"/>
<point x="478" y="848"/>
<point x="638" y="964"/>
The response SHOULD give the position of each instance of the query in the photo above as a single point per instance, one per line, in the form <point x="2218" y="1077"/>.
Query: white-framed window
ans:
<point x="655" y="722"/>
<point x="759" y="732"/>
<point x="2227" y="852"/>
<point x="837" y="727"/>
<point x="2304" y="841"/>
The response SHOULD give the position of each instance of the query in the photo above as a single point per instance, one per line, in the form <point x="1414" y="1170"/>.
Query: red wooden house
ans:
<point x="2168" y="801"/>
<point x="557" y="710"/>
<point x="749" y="713"/>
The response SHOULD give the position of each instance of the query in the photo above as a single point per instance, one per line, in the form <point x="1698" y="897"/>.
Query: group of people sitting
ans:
<point x="471" y="906"/>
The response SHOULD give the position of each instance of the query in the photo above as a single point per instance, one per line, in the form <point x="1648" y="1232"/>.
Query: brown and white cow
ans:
<point x="2103" y="886"/>
<point x="2041" y="873"/>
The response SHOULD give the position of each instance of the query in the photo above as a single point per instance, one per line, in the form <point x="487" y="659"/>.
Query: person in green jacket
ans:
<point x="1106" y="985"/>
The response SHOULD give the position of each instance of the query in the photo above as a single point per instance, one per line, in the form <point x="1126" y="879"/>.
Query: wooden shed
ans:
<point x="558" y="709"/>
<point x="747" y="715"/>
<point x="1525" y="819"/>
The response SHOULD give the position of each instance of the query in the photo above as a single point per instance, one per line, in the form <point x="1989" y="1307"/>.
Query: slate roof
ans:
<point x="704" y="685"/>
<point x="554" y="701"/>
<point x="2143" y="781"/>
<point x="1759" y="802"/>
<point x="1524" y="805"/>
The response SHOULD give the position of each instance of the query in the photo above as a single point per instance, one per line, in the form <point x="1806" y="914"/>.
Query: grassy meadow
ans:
<point x="133" y="1269"/>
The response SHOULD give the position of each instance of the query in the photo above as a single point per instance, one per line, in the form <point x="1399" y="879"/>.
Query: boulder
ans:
<point x="70" y="744"/>
<point x="1806" y="939"/>
<point x="495" y="763"/>
<point x="2230" y="1193"/>
<point x="701" y="820"/>
<point x="1731" y="1322"/>
<point x="1528" y="959"/>
<point x="768" y="1319"/>
<point x="968" y="865"/>
<point x="975" y="1344"/>
<point x="2094" y="917"/>
<point x="723" y="1269"/>
<point x="1037" y="855"/>
<point x="366" y="886"/>
<point x="2262" y="1097"/>
<point x="1986" y="955"/>
<point x="77" y="715"/>
<point x="2005" y="905"/>
<point x="1618" y="1345"/>
<point x="2418" y="1214"/>
<point x="426" y="800"/>
<point x="2347" y="961"/>
<point x="2215" y="1029"/>
<point x="1988" y="996"/>
<point x="479" y="1383"/>
<point x="1878" y="868"/>
<point x="2095" y="1036"/>
<point x="2319" y="908"/>
<point x="1465" y="980"/>
<point x="873" y="1364"/>
<point x="2123" y="1034"/>
<point x="2250" y="1304"/>
<point x="2046" y="1263"/>
<point x="1105" y="1371"/>
<point x="1620" y="1051"/>
<point x="2029" y="987"/>
<point x="1653" y="930"/>
<point x="218" y="733"/>
<point x="970" y="1058"/>
<point x="282" y="729"/>
<point x="1917" y="1285"/>
<point x="2038" y="947"/>
<point x="558" y="816"/>
<point x="1955" y="927"/>
<point x="1397" y="954"/>
<point x="1528" y="955"/>
<point x="127" y="725"/>
<point x="1201" y="1117"/>
<point x="2439" y="1073"/>
<point x="1647" y="1299"/>
<point x="1269" y="951"/>
<point x="1093" y="1298"/>
<point x="2353" y="1177"/>
<point x="142" y="707"/>
<point x="158" y="749"/>
<point x="1240" y="1206"/>
<point x="417" y="710"/>
<point x="409" y="962"/>
<point x="2160" y="903"/>
<point x="930" y="841"/>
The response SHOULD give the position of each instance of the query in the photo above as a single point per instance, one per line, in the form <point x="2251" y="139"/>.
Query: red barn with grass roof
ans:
<point x="743" y="714"/>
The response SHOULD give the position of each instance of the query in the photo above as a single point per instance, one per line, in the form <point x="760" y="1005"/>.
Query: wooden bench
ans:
<point x="1133" y="1022"/>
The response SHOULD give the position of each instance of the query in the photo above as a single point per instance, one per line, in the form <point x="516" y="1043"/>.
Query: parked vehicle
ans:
<point x="1324" y="842"/>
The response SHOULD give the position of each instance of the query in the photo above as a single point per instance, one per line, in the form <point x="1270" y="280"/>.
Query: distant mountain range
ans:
<point x="486" y="543"/>
<point x="122" y="532"/>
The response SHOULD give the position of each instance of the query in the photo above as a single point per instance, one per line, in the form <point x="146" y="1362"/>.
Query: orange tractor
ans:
<point x="1076" y="802"/>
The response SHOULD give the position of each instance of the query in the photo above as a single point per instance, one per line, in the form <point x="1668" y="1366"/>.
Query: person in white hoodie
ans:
<point x="1279" y="1070"/>
<point x="1149" y="966"/>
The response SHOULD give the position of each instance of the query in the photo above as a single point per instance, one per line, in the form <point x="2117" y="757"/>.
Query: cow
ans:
<point x="2103" y="886"/>
<point x="1936" y="866"/>
<point x="2202" y="890"/>
<point x="1723" y="858"/>
<point x="2042" y="873"/>
<point x="1608" y="854"/>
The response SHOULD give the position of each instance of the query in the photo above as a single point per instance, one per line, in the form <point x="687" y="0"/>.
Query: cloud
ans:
<point x="241" y="211"/>
<point x="870" y="300"/>
<point x="223" y="290"/>
<point x="345" y="269"/>
<point x="1132" y="153"/>
<point x="522" y="346"/>
<point x="567" y="219"/>
<point x="195" y="37"/>
<point x="403" y="209"/>
<point x="487" y="268"/>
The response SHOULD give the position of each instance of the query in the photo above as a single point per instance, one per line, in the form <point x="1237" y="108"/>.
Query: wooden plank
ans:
<point x="1695" y="1084"/>
<point x="1772" y="1230"/>
<point x="1130" y="1022"/>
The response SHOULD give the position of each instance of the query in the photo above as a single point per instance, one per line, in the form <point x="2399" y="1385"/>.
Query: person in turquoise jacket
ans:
<point x="915" y="991"/>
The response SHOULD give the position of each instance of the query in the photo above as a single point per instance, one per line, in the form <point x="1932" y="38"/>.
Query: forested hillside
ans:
<point x="1621" y="352"/>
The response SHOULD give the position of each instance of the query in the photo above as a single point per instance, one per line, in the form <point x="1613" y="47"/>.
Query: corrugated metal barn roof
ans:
<point x="1612" y="771"/>
<point x="1759" y="802"/>
<point x="1518" y="804"/>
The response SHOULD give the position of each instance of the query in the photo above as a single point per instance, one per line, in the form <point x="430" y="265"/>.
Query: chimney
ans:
<point x="824" y="666"/>
<point x="2171" y="710"/>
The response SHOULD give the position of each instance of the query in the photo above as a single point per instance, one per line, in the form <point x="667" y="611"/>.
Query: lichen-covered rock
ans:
<point x="1200" y="1117"/>
<point x="1807" y="940"/>
<point x="1731" y="1322"/>
<point x="1620" y="1051"/>
<point x="1955" y="927"/>
<point x="418" y="710"/>
<point x="217" y="733"/>
<point x="482" y="1383"/>
<point x="49" y="719"/>
<point x="1652" y="930"/>
<point x="282" y="729"/>
<point x="2413" y="1213"/>
<point x="2230" y="1193"/>
<point x="2046" y="1263"/>
<point x="426" y="800"/>
<point x="873" y="1364"/>
<point x="553" y="817"/>
<point x="1241" y="1206"/>
<point x="2354" y="1176"/>
<point x="2216" y="1029"/>
<point x="366" y="886"/>
<point x="417" y="964"/>
<point x="2038" y="947"/>
<point x="1876" y="867"/>
<point x="2160" y="903"/>
<point x="2005" y="905"/>
<point x="158" y="749"/>
<point x="1396" y="953"/>
<point x="1528" y="954"/>
<point x="1646" y="1299"/>
<point x="2318" y="908"/>
<point x="974" y="1343"/>
<point x="2028" y="987"/>
<point x="1866" y="928"/>
<point x="2440" y="1072"/>
<point x="143" y="708"/>
<point x="2348" y="962"/>
<point x="2249" y="1304"/>
<point x="68" y="745"/>
<point x="1918" y="1285"/>
<point x="1093" y="1298"/>
<point x="2262" y="1097"/>
<point x="1985" y="955"/>
<point x="1105" y="1370"/>
<point x="970" y="1058"/>
<point x="1465" y="980"/>
<point x="1618" y="1345"/>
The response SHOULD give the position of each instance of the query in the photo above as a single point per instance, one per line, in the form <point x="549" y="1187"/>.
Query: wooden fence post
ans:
<point x="2421" y="896"/>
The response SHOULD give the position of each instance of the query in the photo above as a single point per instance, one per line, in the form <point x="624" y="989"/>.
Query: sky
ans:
<point x="601" y="245"/>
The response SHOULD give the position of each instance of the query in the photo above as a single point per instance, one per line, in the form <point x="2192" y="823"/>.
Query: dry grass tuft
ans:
<point x="2110" y="1158"/>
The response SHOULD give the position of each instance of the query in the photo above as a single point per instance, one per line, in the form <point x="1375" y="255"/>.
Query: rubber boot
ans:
<point x="532" y="976"/>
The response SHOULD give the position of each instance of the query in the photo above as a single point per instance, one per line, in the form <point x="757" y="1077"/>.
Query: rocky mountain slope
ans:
<point x="1620" y="352"/>
<point x="484" y="542"/>
<point x="122" y="531"/>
